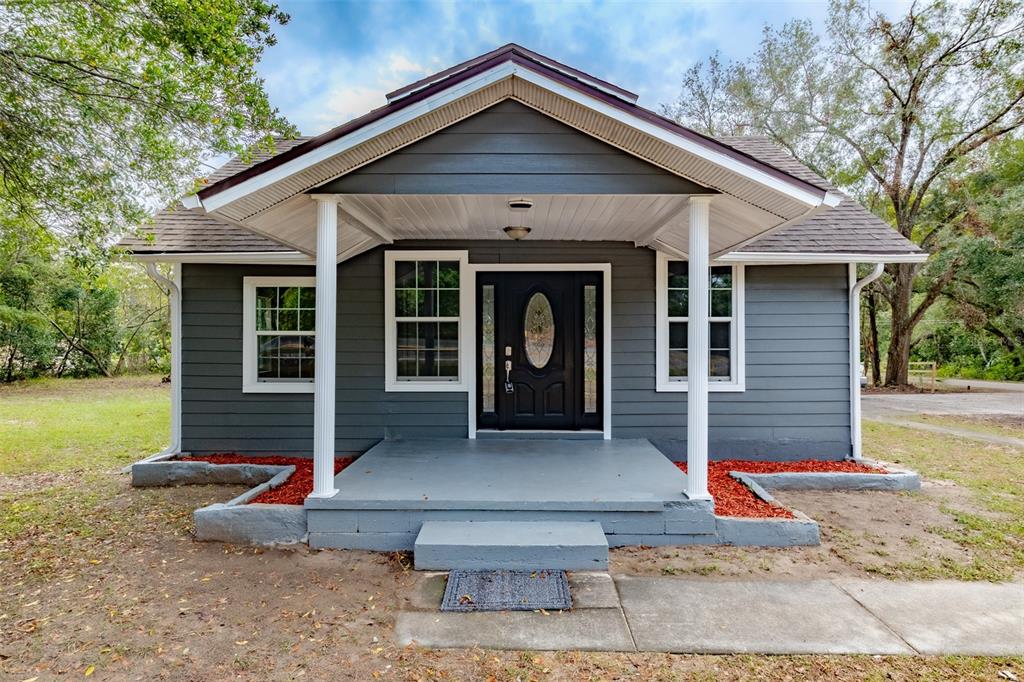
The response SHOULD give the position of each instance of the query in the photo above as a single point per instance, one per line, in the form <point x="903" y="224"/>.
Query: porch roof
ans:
<point x="761" y="192"/>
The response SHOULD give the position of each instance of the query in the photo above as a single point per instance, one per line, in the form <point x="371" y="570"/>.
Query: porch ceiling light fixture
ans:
<point x="517" y="232"/>
<point x="519" y="205"/>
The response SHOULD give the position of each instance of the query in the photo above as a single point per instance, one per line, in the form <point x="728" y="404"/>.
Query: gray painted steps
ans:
<point x="491" y="545"/>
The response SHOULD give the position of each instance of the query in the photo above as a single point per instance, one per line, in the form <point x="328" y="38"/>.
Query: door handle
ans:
<point x="509" y="388"/>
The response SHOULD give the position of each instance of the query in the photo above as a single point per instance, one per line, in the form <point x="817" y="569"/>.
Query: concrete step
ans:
<point x="490" y="545"/>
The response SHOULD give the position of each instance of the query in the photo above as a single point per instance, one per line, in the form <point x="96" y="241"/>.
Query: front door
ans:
<point x="538" y="363"/>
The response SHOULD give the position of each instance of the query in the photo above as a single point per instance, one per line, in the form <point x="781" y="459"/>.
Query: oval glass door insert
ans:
<point x="539" y="330"/>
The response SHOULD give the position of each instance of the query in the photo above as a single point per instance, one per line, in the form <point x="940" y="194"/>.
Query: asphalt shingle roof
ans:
<point x="178" y="230"/>
<point x="848" y="228"/>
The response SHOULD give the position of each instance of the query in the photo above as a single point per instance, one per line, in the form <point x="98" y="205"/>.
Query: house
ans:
<point x="511" y="256"/>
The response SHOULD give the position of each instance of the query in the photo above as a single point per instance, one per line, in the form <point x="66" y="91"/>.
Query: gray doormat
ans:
<point x="506" y="591"/>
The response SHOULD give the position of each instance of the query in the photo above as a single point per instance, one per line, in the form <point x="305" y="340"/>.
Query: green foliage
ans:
<point x="27" y="343"/>
<point x="978" y="216"/>
<point x="890" y="109"/>
<point x="108" y="106"/>
<point x="59" y="316"/>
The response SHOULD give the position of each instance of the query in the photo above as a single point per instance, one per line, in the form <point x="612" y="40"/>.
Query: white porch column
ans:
<point x="326" y="311"/>
<point x="697" y="355"/>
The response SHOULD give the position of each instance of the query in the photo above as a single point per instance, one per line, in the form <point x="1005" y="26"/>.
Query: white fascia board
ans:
<point x="356" y="137"/>
<point x="718" y="158"/>
<point x="754" y="258"/>
<point x="239" y="257"/>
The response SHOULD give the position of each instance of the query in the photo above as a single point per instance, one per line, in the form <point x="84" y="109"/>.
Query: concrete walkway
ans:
<point x="771" y="617"/>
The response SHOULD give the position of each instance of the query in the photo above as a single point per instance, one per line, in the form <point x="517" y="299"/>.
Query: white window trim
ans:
<point x="466" y="323"/>
<point x="250" y="384"/>
<point x="739" y="361"/>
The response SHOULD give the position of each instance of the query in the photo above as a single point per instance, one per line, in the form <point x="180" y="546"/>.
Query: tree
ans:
<point x="107" y="107"/>
<point x="83" y="313"/>
<point x="982" y="223"/>
<point x="887" y="109"/>
<point x="27" y="342"/>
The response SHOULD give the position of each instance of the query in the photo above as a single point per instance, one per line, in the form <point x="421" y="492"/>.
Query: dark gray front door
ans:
<point x="538" y="364"/>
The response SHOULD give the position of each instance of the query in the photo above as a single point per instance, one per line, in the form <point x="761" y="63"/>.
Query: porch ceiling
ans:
<point x="366" y="220"/>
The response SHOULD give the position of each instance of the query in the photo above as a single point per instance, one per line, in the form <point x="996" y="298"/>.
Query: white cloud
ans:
<point x="319" y="83"/>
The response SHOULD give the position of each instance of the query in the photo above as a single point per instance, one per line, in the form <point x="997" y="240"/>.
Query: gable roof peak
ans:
<point x="513" y="52"/>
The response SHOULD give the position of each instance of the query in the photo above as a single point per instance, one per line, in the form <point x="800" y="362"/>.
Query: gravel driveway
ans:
<point x="968" y="403"/>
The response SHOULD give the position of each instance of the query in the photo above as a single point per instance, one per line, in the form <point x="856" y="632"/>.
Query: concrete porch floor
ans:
<point x="537" y="475"/>
<point x="628" y="486"/>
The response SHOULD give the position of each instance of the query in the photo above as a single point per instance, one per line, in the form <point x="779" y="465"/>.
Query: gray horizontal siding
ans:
<point x="796" y="403"/>
<point x="217" y="416"/>
<point x="510" y="149"/>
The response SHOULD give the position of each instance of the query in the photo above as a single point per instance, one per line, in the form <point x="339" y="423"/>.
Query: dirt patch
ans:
<point x="77" y="388"/>
<point x="863" y="534"/>
<point x="9" y="485"/>
<point x="913" y="388"/>
<point x="112" y="585"/>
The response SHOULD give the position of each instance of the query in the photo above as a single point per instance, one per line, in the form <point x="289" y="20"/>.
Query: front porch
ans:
<point x="628" y="486"/>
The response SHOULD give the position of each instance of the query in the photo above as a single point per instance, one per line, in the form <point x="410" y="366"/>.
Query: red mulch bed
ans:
<point x="295" y="489"/>
<point x="732" y="498"/>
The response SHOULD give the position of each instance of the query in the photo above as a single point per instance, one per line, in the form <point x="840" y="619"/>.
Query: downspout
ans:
<point x="172" y="288"/>
<point x="856" y="286"/>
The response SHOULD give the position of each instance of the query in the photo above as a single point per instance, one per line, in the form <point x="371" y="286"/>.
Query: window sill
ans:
<point x="392" y="386"/>
<point x="713" y="387"/>
<point x="284" y="387"/>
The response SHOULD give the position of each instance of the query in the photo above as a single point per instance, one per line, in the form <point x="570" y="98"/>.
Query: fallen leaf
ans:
<point x="90" y="670"/>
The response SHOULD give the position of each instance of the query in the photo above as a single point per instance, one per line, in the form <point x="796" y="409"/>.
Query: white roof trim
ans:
<point x="718" y="158"/>
<point x="794" y="258"/>
<point x="369" y="131"/>
<point x="749" y="258"/>
<point x="482" y="80"/>
<point x="191" y="201"/>
<point x="618" y="94"/>
<point x="227" y="257"/>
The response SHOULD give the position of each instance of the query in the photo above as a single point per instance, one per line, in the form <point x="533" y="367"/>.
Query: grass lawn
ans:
<point x="992" y="527"/>
<point x="66" y="425"/>
<point x="105" y="581"/>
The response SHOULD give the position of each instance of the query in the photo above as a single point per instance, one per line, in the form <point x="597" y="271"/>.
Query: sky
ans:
<point x="336" y="60"/>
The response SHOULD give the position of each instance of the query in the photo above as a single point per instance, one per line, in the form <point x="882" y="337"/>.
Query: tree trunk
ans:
<point x="873" y="354"/>
<point x="898" y="357"/>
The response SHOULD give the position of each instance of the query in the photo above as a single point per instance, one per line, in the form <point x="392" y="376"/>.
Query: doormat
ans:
<point x="507" y="591"/>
